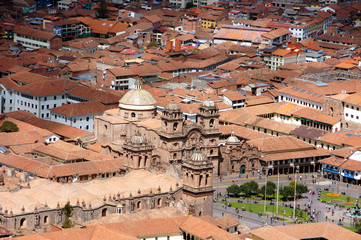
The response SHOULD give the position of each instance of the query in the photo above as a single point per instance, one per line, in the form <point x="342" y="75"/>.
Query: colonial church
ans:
<point x="167" y="143"/>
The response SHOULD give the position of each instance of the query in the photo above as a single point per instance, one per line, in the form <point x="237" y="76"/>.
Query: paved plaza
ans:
<point x="322" y="211"/>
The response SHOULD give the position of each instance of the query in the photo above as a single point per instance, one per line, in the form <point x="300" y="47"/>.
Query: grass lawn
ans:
<point x="350" y="228"/>
<point x="257" y="198"/>
<point x="257" y="208"/>
<point x="341" y="200"/>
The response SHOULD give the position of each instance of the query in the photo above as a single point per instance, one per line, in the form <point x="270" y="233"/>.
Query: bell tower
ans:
<point x="208" y="116"/>
<point x="197" y="174"/>
<point x="172" y="119"/>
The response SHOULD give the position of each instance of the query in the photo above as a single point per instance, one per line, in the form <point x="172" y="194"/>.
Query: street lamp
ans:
<point x="295" y="193"/>
<point x="265" y="187"/>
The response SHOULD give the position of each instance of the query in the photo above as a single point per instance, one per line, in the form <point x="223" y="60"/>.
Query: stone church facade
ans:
<point x="165" y="143"/>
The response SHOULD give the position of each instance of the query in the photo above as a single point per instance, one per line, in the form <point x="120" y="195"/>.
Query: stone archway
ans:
<point x="104" y="212"/>
<point x="243" y="169"/>
<point x="23" y="223"/>
<point x="46" y="220"/>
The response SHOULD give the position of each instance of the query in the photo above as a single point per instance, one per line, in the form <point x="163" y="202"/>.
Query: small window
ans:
<point x="133" y="115"/>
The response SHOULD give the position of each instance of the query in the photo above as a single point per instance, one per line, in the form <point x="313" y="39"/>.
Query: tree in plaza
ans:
<point x="233" y="190"/>
<point x="300" y="188"/>
<point x="286" y="192"/>
<point x="358" y="226"/>
<point x="8" y="126"/>
<point x="271" y="188"/>
<point x="102" y="10"/>
<point x="249" y="187"/>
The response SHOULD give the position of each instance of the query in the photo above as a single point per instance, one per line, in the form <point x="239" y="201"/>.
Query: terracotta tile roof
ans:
<point x="27" y="77"/>
<point x="324" y="230"/>
<point x="276" y="33"/>
<point x="234" y="95"/>
<point x="308" y="132"/>
<point x="350" y="164"/>
<point x="333" y="160"/>
<point x="57" y="128"/>
<point x="34" y="33"/>
<point x="280" y="144"/>
<point x="347" y="138"/>
<point x="227" y="222"/>
<point x="208" y="230"/>
<point x="20" y="138"/>
<point x="47" y="88"/>
<point x="104" y="97"/>
<point x="95" y="232"/>
<point x="296" y="154"/>
<point x="344" y="152"/>
<point x="56" y="153"/>
<point x="258" y="100"/>
<point x="352" y="99"/>
<point x="235" y="116"/>
<point x="150" y="227"/>
<point x="240" y="35"/>
<point x="79" y="109"/>
<point x="315" y="115"/>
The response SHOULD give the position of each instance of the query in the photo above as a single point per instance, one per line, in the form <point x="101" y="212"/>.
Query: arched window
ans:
<point x="174" y="156"/>
<point x="159" y="202"/>
<point x="211" y="122"/>
<point x="175" y="125"/>
<point x="132" y="114"/>
<point x="139" y="205"/>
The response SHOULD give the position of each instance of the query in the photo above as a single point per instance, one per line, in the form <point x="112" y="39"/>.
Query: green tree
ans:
<point x="286" y="192"/>
<point x="358" y="226"/>
<point x="67" y="223"/>
<point x="271" y="188"/>
<point x="249" y="188"/>
<point x="233" y="189"/>
<point x="8" y="126"/>
<point x="68" y="211"/>
<point x="152" y="44"/>
<point x="102" y="10"/>
<point x="300" y="188"/>
<point x="189" y="5"/>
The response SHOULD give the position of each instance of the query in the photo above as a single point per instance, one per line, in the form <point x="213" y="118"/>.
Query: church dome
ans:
<point x="198" y="157"/>
<point x="137" y="99"/>
<point x="137" y="139"/>
<point x="208" y="103"/>
<point x="172" y="106"/>
<point x="232" y="139"/>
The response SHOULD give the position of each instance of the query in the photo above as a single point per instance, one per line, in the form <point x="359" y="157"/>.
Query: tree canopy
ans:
<point x="249" y="188"/>
<point x="8" y="126"/>
<point x="234" y="189"/>
<point x="102" y="10"/>
<point x="271" y="188"/>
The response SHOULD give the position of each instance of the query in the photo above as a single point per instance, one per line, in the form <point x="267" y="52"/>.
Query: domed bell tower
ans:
<point x="208" y="116"/>
<point x="137" y="152"/>
<point x="172" y="119"/>
<point x="197" y="174"/>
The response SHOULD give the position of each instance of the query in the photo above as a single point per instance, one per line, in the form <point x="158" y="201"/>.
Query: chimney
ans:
<point x="177" y="47"/>
<point x="168" y="46"/>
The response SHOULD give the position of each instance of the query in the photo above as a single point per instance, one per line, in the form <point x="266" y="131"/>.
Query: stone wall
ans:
<point x="83" y="212"/>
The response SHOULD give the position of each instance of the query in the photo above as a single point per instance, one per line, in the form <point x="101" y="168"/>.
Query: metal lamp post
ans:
<point x="295" y="193"/>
